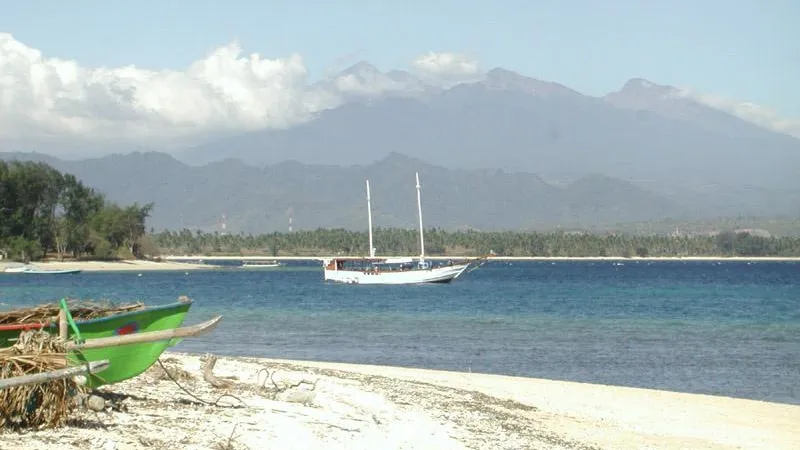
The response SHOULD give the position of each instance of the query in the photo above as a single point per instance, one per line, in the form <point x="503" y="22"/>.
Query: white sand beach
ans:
<point x="113" y="266"/>
<point x="345" y="406"/>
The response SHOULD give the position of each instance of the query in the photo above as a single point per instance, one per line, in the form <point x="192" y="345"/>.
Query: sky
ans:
<point x="744" y="51"/>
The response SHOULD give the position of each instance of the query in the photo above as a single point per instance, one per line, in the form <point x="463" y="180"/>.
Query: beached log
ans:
<point x="208" y="373"/>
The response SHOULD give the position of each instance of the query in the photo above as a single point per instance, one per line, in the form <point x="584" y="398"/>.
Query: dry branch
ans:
<point x="288" y="392"/>
<point x="208" y="373"/>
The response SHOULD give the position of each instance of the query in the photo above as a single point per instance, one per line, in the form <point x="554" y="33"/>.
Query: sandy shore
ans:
<point x="343" y="406"/>
<point x="114" y="266"/>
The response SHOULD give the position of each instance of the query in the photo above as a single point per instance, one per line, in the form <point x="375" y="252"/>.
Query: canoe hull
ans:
<point x="126" y="361"/>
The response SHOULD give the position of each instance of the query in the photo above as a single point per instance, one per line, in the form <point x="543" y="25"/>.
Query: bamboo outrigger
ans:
<point x="53" y="375"/>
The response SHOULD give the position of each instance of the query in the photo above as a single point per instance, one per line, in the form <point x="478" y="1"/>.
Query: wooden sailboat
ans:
<point x="372" y="270"/>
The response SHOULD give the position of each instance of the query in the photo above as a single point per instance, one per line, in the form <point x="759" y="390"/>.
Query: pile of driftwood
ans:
<point x="39" y="405"/>
<point x="80" y="310"/>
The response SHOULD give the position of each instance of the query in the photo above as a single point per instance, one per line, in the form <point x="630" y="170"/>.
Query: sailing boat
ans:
<point x="372" y="270"/>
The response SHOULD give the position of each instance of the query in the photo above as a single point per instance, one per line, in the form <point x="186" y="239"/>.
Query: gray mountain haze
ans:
<point x="258" y="200"/>
<point x="508" y="121"/>
<point x="505" y="151"/>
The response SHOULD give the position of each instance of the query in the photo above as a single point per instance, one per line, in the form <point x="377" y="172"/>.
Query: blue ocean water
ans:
<point x="723" y="328"/>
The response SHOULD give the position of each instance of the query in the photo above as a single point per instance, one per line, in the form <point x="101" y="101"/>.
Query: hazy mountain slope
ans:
<point x="516" y="123"/>
<point x="262" y="199"/>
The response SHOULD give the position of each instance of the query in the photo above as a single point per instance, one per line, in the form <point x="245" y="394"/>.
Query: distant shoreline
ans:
<point x="193" y="263"/>
<point x="493" y="258"/>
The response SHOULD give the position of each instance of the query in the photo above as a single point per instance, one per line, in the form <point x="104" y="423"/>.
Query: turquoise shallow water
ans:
<point x="724" y="328"/>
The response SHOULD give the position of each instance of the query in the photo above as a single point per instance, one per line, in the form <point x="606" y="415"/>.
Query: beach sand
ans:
<point x="344" y="406"/>
<point x="114" y="266"/>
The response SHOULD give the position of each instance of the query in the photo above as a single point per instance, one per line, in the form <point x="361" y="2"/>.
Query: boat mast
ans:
<point x="419" y="208"/>
<point x="369" y="220"/>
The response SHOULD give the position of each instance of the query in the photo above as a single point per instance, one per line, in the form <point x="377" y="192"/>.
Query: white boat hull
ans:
<point x="443" y="274"/>
<point x="32" y="270"/>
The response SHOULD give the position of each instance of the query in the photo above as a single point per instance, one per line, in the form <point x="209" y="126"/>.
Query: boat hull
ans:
<point x="444" y="274"/>
<point x="30" y="270"/>
<point x="128" y="360"/>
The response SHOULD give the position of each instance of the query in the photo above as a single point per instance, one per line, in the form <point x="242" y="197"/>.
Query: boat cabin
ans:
<point x="377" y="264"/>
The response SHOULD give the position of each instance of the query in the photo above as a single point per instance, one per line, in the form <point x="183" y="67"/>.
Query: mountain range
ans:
<point x="254" y="199"/>
<point x="644" y="132"/>
<point x="261" y="199"/>
<point x="502" y="152"/>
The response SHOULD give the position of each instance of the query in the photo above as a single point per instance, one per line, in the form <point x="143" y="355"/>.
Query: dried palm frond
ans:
<point x="42" y="405"/>
<point x="80" y="310"/>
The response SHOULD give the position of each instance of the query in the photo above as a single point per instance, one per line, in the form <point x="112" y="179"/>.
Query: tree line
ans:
<point x="43" y="211"/>
<point x="438" y="242"/>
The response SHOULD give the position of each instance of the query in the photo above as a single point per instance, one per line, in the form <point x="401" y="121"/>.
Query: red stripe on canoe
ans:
<point x="22" y="326"/>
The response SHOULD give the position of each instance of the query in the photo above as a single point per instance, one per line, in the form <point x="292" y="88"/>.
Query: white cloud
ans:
<point x="364" y="79"/>
<point x="447" y="67"/>
<point x="751" y="112"/>
<point x="223" y="91"/>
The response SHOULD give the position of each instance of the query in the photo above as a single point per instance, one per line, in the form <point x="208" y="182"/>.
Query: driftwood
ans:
<point x="45" y="377"/>
<point x="288" y="392"/>
<point x="150" y="336"/>
<point x="208" y="373"/>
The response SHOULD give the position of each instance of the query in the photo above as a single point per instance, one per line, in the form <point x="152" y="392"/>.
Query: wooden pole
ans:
<point x="150" y="336"/>
<point x="62" y="324"/>
<point x="44" y="377"/>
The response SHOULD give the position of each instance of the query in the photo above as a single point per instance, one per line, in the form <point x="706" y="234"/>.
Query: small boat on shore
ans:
<point x="36" y="271"/>
<point x="261" y="264"/>
<point x="131" y="338"/>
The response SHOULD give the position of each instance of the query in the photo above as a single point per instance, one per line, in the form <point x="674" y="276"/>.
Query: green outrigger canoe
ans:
<point x="130" y="341"/>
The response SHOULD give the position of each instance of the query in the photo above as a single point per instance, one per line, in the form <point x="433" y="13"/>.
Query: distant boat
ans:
<point x="260" y="264"/>
<point x="33" y="270"/>
<point x="372" y="270"/>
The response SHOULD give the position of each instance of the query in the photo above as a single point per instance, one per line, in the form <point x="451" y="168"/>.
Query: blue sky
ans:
<point x="746" y="50"/>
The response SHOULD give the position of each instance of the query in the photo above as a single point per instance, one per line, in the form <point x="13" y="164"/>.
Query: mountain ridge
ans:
<point x="261" y="199"/>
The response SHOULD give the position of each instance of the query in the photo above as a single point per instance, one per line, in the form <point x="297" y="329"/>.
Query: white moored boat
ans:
<point x="35" y="271"/>
<point x="260" y="265"/>
<point x="372" y="270"/>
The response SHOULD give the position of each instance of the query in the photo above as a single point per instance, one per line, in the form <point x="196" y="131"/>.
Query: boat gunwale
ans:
<point x="33" y="325"/>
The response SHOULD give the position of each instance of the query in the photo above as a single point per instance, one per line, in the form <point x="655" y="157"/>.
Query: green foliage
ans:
<point x="43" y="210"/>
<point x="393" y="242"/>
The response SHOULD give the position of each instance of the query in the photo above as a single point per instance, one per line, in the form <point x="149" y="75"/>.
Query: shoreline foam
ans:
<point x="360" y="406"/>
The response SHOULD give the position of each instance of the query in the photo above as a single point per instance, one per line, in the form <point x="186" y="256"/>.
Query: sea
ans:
<point x="729" y="328"/>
